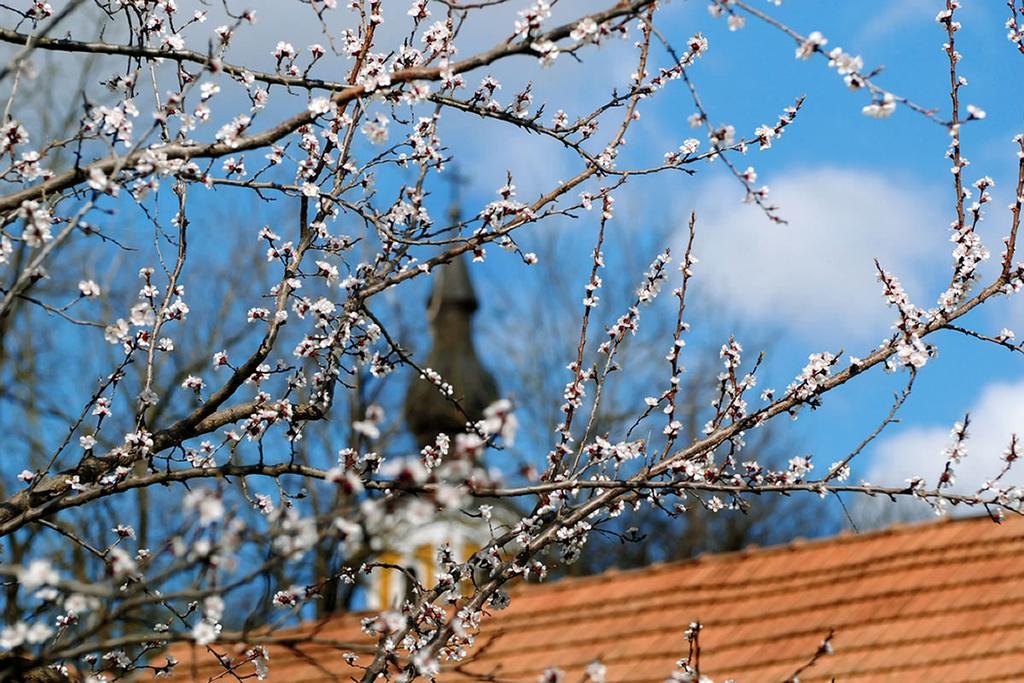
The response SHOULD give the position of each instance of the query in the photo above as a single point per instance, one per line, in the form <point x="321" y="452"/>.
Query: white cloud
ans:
<point x="894" y="18"/>
<point x="898" y="17"/>
<point x="485" y="150"/>
<point x="816" y="276"/>
<point x="996" y="414"/>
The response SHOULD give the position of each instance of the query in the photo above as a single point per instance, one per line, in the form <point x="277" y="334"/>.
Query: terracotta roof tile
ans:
<point x="939" y="601"/>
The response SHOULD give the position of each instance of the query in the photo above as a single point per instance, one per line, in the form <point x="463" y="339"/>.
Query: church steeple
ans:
<point x="450" y="310"/>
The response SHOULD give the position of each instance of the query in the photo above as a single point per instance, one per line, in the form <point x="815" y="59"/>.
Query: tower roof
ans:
<point x="452" y="288"/>
<point x="450" y="311"/>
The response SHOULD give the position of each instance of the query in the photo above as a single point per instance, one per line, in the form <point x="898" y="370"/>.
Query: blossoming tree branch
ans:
<point x="203" y="425"/>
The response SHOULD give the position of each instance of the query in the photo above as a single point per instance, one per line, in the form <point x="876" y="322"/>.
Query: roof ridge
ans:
<point x="616" y="573"/>
<point x="842" y="537"/>
<point x="846" y="573"/>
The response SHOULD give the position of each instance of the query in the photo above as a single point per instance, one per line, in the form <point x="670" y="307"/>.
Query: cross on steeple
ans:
<point x="456" y="181"/>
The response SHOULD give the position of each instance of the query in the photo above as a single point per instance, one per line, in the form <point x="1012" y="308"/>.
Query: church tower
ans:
<point x="450" y="309"/>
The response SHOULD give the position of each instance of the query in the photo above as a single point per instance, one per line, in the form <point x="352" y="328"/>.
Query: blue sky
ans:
<point x="853" y="188"/>
<point x="888" y="183"/>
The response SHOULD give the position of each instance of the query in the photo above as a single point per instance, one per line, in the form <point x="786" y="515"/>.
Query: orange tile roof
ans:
<point x="928" y="602"/>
